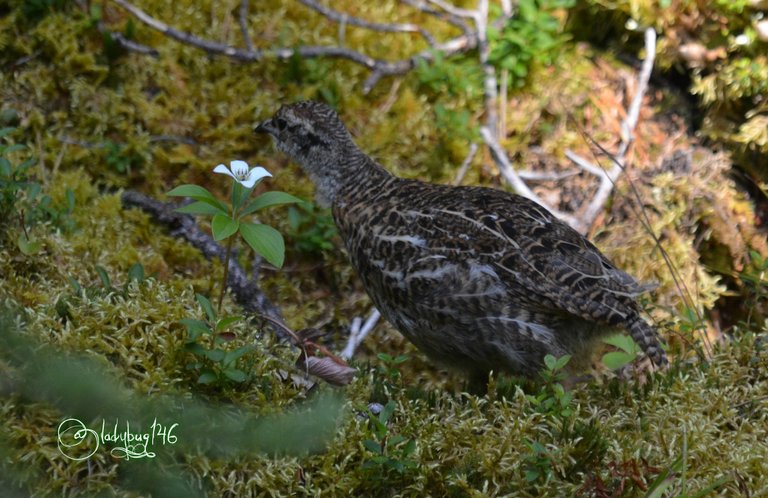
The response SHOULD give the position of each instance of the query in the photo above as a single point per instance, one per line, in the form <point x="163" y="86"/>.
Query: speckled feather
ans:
<point x="477" y="278"/>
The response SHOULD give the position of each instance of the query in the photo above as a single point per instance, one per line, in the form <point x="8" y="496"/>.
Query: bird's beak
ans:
<point x="266" y="127"/>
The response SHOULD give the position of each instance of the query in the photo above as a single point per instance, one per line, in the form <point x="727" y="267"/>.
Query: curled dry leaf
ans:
<point x="328" y="370"/>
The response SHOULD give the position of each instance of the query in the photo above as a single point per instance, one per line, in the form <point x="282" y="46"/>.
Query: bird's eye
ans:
<point x="281" y="124"/>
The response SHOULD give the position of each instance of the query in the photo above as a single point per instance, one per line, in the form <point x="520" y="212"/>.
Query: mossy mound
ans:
<point x="97" y="291"/>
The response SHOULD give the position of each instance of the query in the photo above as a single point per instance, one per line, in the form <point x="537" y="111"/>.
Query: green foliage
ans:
<point x="580" y="439"/>
<point x="755" y="279"/>
<point x="553" y="399"/>
<point x="453" y="77"/>
<point x="725" y="62"/>
<point x="22" y="198"/>
<point x="455" y="123"/>
<point x="121" y="157"/>
<point x="391" y="454"/>
<point x="314" y="75"/>
<point x="311" y="229"/>
<point x="227" y="220"/>
<point x="104" y="289"/>
<point x="532" y="37"/>
<point x="626" y="354"/>
<point x="215" y="364"/>
<point x="34" y="10"/>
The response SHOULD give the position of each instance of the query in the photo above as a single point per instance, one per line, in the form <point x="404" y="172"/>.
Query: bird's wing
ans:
<point x="537" y="256"/>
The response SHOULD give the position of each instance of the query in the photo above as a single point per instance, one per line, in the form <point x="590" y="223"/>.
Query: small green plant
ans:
<point x="553" y="399"/>
<point x="387" y="378"/>
<point x="228" y="220"/>
<point x="390" y="453"/>
<point x="121" y="157"/>
<point x="533" y="36"/>
<point x="455" y="123"/>
<point x="457" y="76"/>
<point x="586" y="447"/>
<point x="626" y="354"/>
<point x="206" y="338"/>
<point x="106" y="289"/>
<point x="22" y="198"/>
<point x="311" y="229"/>
<point x="755" y="279"/>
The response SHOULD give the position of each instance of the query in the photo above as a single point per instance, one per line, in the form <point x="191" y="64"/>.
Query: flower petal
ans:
<point x="254" y="176"/>
<point x="239" y="169"/>
<point x="223" y="170"/>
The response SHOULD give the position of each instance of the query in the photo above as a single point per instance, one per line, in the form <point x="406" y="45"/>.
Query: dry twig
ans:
<point x="358" y="332"/>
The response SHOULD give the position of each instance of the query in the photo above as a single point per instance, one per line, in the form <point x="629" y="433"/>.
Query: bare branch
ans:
<point x="583" y="163"/>
<point x="445" y="16"/>
<point x="510" y="175"/>
<point x="546" y="176"/>
<point x="465" y="164"/>
<point x="633" y="114"/>
<point x="608" y="178"/>
<point x="453" y="10"/>
<point x="358" y="333"/>
<point x="379" y="68"/>
<point x="243" y="19"/>
<point x="127" y="44"/>
<point x="343" y="18"/>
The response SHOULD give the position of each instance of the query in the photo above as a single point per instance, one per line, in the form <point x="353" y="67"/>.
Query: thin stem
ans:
<point x="230" y="240"/>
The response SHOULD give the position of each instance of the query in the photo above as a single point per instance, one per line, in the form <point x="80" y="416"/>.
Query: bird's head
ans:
<point x="312" y="134"/>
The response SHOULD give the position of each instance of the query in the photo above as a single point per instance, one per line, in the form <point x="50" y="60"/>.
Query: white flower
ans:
<point x="242" y="173"/>
<point x="742" y="40"/>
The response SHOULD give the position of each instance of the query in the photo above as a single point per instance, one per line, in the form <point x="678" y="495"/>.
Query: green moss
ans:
<point x="99" y="124"/>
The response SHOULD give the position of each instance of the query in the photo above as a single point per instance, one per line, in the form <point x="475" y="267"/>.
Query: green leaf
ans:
<point x="234" y="355"/>
<point x="195" y="328"/>
<point x="623" y="342"/>
<point x="617" y="359"/>
<point x="207" y="307"/>
<point x="6" y="170"/>
<point x="266" y="241"/>
<point x="410" y="446"/>
<point x="239" y="195"/>
<point x="372" y="446"/>
<point x="136" y="272"/>
<point x="104" y="277"/>
<point x="6" y="131"/>
<point x="562" y="361"/>
<point x="396" y="439"/>
<point x="206" y="377"/>
<point x="226" y="321"/>
<point x="268" y="199"/>
<point x="14" y="148"/>
<point x="550" y="361"/>
<point x="199" y="207"/>
<point x="28" y="247"/>
<point x="387" y="412"/>
<point x="70" y="200"/>
<point x="197" y="193"/>
<point x="214" y="354"/>
<point x="75" y="285"/>
<point x="235" y="374"/>
<point x="223" y="226"/>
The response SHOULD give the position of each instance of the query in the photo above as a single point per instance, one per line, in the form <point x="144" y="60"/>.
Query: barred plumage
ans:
<point x="476" y="278"/>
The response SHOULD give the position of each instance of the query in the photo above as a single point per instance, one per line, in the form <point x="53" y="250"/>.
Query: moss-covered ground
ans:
<point x="85" y="334"/>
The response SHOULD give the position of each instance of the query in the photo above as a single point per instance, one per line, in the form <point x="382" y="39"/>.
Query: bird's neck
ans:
<point x="354" y="174"/>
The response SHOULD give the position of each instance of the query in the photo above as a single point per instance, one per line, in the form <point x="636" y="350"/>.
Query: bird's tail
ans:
<point x="648" y="339"/>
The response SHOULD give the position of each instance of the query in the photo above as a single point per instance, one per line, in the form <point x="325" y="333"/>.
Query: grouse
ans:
<point x="477" y="278"/>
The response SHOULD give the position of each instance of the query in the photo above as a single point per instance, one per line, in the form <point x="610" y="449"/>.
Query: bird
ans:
<point x="479" y="279"/>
